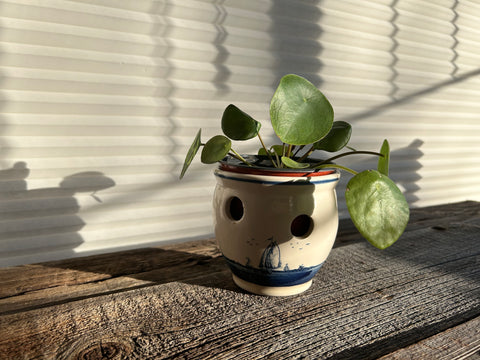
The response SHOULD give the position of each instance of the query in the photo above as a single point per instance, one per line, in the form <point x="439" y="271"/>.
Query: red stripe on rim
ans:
<point x="273" y="171"/>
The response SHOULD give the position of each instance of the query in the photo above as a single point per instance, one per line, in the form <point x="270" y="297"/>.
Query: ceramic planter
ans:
<point x="275" y="227"/>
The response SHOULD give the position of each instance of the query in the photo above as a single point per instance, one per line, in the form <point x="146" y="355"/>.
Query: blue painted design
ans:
<point x="291" y="182"/>
<point x="269" y="277"/>
<point x="271" y="256"/>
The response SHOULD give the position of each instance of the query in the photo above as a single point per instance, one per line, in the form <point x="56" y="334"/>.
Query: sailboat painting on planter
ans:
<point x="271" y="257"/>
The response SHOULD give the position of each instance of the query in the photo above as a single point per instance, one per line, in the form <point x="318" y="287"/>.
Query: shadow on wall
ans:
<point x="44" y="219"/>
<point x="405" y="160"/>
<point x="411" y="97"/>
<point x="296" y="33"/>
<point x="408" y="159"/>
<point x="223" y="72"/>
<point x="411" y="154"/>
<point x="165" y="89"/>
<point x="4" y="147"/>
<point x="301" y="55"/>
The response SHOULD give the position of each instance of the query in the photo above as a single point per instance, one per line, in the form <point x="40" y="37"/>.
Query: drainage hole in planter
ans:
<point x="302" y="226"/>
<point x="235" y="208"/>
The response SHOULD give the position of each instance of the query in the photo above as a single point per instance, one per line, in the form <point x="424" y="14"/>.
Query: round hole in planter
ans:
<point x="235" y="208"/>
<point x="302" y="226"/>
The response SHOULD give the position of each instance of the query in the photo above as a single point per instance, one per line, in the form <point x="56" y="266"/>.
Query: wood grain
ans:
<point x="414" y="298"/>
<point x="459" y="342"/>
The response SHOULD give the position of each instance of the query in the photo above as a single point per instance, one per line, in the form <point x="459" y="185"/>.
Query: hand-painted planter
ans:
<point x="275" y="227"/>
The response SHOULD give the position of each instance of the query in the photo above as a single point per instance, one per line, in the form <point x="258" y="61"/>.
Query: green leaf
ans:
<point x="377" y="208"/>
<point x="337" y="138"/>
<point x="277" y="149"/>
<point x="274" y="150"/>
<point x="292" y="164"/>
<point x="262" y="152"/>
<point x="191" y="153"/>
<point x="216" y="149"/>
<point x="299" y="112"/>
<point x="238" y="125"/>
<point x="384" y="161"/>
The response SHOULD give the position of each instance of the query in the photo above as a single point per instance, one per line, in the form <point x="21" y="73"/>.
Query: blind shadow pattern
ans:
<point x="296" y="33"/>
<point x="117" y="90"/>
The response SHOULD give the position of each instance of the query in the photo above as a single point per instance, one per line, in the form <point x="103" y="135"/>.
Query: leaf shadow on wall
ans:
<point x="43" y="220"/>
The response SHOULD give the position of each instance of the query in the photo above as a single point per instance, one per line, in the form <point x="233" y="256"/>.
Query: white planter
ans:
<point x="275" y="228"/>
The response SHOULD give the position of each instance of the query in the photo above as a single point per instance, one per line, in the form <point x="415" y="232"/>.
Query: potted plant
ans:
<point x="276" y="214"/>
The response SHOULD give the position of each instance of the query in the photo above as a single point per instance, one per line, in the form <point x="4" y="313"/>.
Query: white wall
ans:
<point x="100" y="100"/>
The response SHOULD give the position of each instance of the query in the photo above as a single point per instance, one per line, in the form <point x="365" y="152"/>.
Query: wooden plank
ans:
<point x="66" y="275"/>
<point x="64" y="293"/>
<point x="459" y="342"/>
<point x="440" y="215"/>
<point x="21" y="279"/>
<point x="50" y="283"/>
<point x="364" y="303"/>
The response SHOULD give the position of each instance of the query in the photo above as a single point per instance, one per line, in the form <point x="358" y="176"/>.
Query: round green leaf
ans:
<point x="377" y="208"/>
<point x="292" y="164"/>
<point x="262" y="152"/>
<point x="299" y="112"/>
<point x="238" y="125"/>
<point x="191" y="153"/>
<point x="274" y="150"/>
<point x="277" y="149"/>
<point x="384" y="161"/>
<point x="337" y="138"/>
<point x="215" y="149"/>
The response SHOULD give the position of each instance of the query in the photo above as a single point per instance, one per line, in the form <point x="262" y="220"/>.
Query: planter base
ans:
<point x="271" y="290"/>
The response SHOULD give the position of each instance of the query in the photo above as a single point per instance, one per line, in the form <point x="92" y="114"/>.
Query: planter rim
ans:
<point x="230" y="164"/>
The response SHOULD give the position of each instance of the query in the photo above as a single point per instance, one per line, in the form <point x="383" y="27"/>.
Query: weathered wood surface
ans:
<point x="419" y="299"/>
<point x="459" y="342"/>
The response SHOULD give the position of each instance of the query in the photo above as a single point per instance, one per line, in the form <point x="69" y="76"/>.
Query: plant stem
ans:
<point x="266" y="150"/>
<point x="278" y="159"/>
<point x="280" y="164"/>
<point x="239" y="157"/>
<point x="289" y="150"/>
<point x="346" y="154"/>
<point x="307" y="154"/>
<point x="337" y="167"/>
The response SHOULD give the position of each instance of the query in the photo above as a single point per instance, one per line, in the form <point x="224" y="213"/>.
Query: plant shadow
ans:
<point x="138" y="268"/>
<point x="42" y="220"/>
